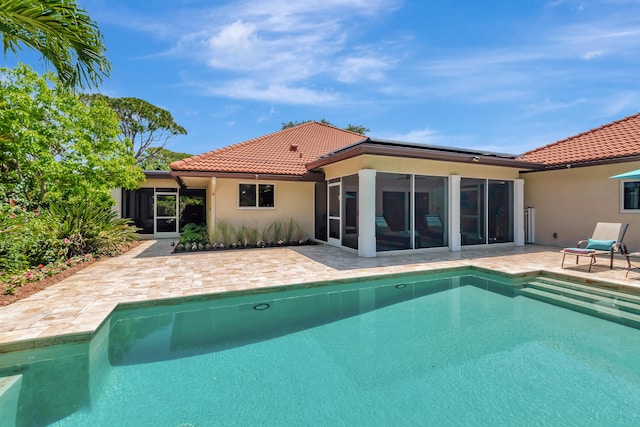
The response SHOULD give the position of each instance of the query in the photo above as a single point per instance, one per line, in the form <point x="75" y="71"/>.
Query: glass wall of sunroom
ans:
<point x="411" y="211"/>
<point x="383" y="212"/>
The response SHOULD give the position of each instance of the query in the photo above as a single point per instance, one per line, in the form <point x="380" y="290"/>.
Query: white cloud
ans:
<point x="592" y="54"/>
<point x="249" y="89"/>
<point x="284" y="45"/>
<point x="419" y="136"/>
<point x="358" y="68"/>
<point x="621" y="102"/>
<point x="226" y="111"/>
<point x="266" y="116"/>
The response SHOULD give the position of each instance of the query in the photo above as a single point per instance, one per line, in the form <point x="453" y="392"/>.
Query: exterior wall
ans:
<point x="419" y="167"/>
<point x="569" y="202"/>
<point x="292" y="200"/>
<point x="159" y="183"/>
<point x="116" y="195"/>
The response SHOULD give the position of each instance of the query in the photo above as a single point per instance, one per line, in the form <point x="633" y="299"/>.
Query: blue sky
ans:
<point x="504" y="76"/>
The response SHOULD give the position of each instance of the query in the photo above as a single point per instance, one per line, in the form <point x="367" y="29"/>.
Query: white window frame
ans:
<point x="257" y="185"/>
<point x="622" y="209"/>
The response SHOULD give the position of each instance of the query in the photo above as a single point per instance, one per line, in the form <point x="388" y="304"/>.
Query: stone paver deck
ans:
<point x="78" y="305"/>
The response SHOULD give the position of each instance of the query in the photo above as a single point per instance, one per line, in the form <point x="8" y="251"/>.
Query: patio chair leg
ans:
<point x="591" y="262"/>
<point x="611" y="265"/>
<point x="562" y="263"/>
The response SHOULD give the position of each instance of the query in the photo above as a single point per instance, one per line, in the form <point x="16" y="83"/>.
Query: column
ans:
<point x="454" y="213"/>
<point x="518" y="215"/>
<point x="367" y="213"/>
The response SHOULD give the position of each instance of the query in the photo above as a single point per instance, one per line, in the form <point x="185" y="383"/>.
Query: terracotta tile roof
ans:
<point x="281" y="153"/>
<point x="615" y="140"/>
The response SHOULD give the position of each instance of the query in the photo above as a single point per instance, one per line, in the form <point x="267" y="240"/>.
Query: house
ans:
<point x="574" y="190"/>
<point x="375" y="196"/>
<point x="370" y="195"/>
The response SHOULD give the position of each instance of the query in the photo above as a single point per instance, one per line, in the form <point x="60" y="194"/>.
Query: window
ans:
<point x="256" y="196"/>
<point x="630" y="196"/>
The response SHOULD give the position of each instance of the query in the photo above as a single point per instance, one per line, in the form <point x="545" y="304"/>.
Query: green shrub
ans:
<point x="91" y="228"/>
<point x="27" y="238"/>
<point x="225" y="230"/>
<point x="276" y="228"/>
<point x="194" y="233"/>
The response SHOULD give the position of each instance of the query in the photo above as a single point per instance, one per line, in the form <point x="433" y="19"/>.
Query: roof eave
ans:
<point x="422" y="153"/>
<point x="310" y="176"/>
<point x="595" y="162"/>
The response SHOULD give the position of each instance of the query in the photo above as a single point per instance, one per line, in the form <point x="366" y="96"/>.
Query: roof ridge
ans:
<point x="334" y="127"/>
<point x="253" y="140"/>
<point x="601" y="127"/>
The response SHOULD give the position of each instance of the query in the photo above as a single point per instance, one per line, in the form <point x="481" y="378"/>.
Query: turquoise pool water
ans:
<point x="422" y="351"/>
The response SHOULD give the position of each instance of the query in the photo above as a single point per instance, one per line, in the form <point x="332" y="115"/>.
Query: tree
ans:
<point x="54" y="147"/>
<point x="162" y="160"/>
<point x="62" y="32"/>
<point x="146" y="128"/>
<point x="351" y="128"/>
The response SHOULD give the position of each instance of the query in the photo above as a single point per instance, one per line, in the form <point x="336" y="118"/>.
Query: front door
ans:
<point x="166" y="223"/>
<point x="335" y="207"/>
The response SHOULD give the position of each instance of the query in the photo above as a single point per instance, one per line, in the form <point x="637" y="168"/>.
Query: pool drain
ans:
<point x="401" y="286"/>
<point x="261" y="307"/>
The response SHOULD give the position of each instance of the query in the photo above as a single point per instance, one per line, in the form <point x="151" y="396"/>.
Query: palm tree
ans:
<point x="62" y="32"/>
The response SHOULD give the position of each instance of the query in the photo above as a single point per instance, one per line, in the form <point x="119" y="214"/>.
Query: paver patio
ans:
<point x="77" y="306"/>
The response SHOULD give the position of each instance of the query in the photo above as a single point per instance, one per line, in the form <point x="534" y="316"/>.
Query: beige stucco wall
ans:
<point x="569" y="202"/>
<point x="160" y="183"/>
<point x="292" y="200"/>
<point x="419" y="167"/>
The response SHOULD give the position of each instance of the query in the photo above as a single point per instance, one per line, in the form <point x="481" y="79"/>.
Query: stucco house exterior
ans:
<point x="574" y="189"/>
<point x="375" y="196"/>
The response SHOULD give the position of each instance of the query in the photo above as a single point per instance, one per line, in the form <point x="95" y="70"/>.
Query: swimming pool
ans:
<point x="454" y="349"/>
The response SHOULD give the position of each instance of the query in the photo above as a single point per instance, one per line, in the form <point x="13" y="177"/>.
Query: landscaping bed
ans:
<point x="34" y="282"/>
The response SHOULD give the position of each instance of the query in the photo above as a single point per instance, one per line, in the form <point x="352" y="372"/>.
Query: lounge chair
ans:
<point x="606" y="240"/>
<point x="388" y="238"/>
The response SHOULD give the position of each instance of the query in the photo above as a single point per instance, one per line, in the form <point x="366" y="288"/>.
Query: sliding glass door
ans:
<point x="486" y="211"/>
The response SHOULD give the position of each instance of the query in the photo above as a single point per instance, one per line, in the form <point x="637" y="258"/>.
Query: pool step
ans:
<point x="614" y="299"/>
<point x="605" y="292"/>
<point x="605" y="307"/>
<point x="9" y="395"/>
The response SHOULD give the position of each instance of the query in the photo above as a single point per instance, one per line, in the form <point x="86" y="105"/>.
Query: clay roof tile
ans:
<point x="282" y="153"/>
<point x="618" y="139"/>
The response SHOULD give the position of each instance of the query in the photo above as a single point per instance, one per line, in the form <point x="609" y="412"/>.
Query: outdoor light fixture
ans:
<point x="475" y="159"/>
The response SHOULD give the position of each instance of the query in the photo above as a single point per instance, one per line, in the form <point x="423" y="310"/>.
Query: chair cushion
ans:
<point x="578" y="251"/>
<point x="600" y="245"/>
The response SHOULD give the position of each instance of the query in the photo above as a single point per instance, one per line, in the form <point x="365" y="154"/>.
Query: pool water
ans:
<point x="462" y="350"/>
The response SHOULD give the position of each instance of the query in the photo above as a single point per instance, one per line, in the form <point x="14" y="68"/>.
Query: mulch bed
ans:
<point x="31" y="288"/>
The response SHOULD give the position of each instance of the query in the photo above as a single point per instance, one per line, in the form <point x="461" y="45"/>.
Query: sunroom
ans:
<point x="383" y="196"/>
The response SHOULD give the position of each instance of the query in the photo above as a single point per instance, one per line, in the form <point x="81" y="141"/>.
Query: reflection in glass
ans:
<point x="631" y="195"/>
<point x="472" y="211"/>
<point x="321" y="211"/>
<point x="431" y="211"/>
<point x="266" y="196"/>
<point x="334" y="200"/>
<point x="350" y="211"/>
<point x="166" y="225"/>
<point x="166" y="205"/>
<point x="137" y="205"/>
<point x="247" y="195"/>
<point x="192" y="207"/>
<point x="500" y="211"/>
<point x="393" y="213"/>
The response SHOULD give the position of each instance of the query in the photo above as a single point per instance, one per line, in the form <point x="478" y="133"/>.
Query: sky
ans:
<point x="503" y="76"/>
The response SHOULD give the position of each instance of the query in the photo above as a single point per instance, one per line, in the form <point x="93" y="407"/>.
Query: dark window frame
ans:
<point x="256" y="195"/>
